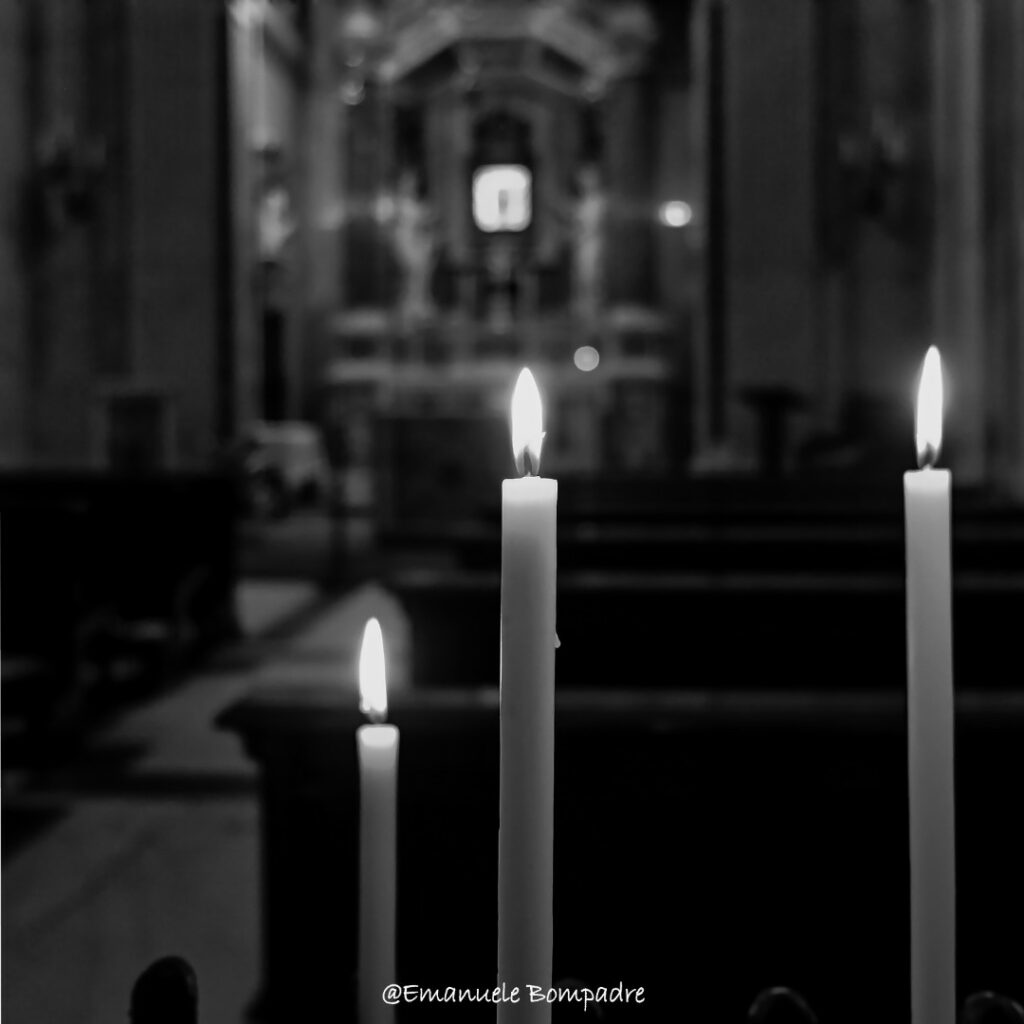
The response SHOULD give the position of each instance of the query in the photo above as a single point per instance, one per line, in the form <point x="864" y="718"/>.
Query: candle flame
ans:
<point x="373" y="688"/>
<point x="527" y="424"/>
<point x="928" y="429"/>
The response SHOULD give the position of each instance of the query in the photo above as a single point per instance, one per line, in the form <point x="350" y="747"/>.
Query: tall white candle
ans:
<point x="930" y="716"/>
<point x="377" y="747"/>
<point x="526" y="832"/>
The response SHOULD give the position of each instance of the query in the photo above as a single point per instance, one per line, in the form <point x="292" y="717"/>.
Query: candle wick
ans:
<point x="927" y="456"/>
<point x="527" y="463"/>
<point x="376" y="716"/>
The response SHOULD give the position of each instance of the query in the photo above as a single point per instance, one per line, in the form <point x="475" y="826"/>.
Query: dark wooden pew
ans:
<point x="731" y="579"/>
<point x="56" y="617"/>
<point x="780" y="545"/>
<point x="96" y="567"/>
<point x="707" y="845"/>
<point x="816" y="631"/>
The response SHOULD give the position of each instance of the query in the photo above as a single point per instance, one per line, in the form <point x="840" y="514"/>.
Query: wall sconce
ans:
<point x="65" y="175"/>
<point x="675" y="213"/>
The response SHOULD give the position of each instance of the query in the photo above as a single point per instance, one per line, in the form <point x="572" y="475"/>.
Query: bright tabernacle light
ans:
<point x="502" y="198"/>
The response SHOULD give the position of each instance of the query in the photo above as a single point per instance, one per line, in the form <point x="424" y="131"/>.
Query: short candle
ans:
<point x="377" y="749"/>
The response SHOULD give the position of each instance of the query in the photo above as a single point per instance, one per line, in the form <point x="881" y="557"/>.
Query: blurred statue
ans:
<point x="275" y="223"/>
<point x="276" y="228"/>
<point x="588" y="246"/>
<point x="414" y="246"/>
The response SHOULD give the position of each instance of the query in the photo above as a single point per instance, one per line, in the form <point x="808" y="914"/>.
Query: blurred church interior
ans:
<point x="268" y="272"/>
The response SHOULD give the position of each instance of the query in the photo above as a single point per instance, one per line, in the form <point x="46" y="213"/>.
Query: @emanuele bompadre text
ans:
<point x="619" y="993"/>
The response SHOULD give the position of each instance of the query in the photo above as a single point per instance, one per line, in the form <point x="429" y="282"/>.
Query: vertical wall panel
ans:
<point x="769" y="111"/>
<point x="176" y="215"/>
<point x="13" y="281"/>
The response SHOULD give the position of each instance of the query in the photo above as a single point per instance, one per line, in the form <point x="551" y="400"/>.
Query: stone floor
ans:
<point x="145" y="842"/>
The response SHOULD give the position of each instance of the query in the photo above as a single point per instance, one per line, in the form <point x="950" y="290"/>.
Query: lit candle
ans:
<point x="526" y="831"/>
<point x="377" y="747"/>
<point x="930" y="716"/>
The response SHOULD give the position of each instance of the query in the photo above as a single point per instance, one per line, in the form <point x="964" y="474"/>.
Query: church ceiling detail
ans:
<point x="569" y="45"/>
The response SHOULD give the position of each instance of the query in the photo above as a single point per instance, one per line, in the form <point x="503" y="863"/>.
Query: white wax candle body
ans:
<point x="930" y="747"/>
<point x="377" y="747"/>
<point x="527" y="787"/>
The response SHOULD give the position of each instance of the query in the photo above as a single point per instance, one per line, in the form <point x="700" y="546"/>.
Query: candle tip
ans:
<point x="373" y="691"/>
<point x="527" y="425"/>
<point x="928" y="425"/>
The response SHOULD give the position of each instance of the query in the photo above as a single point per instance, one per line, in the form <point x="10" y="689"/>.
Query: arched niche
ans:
<point x="445" y="74"/>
